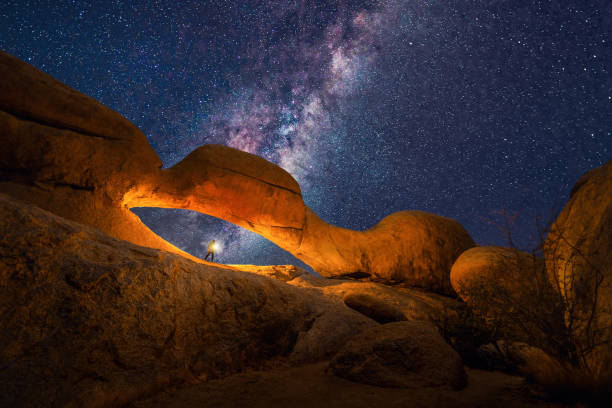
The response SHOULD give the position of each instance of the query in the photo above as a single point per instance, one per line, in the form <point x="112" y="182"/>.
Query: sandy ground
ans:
<point x="309" y="386"/>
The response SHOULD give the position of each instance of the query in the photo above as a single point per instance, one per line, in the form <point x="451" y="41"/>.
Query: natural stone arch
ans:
<point x="67" y="153"/>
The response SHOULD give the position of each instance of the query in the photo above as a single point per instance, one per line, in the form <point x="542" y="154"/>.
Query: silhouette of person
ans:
<point x="211" y="251"/>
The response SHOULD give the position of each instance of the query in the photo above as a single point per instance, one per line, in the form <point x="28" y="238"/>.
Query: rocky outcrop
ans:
<point x="377" y="301"/>
<point x="373" y="307"/>
<point x="402" y="355"/>
<point x="578" y="253"/>
<point x="283" y="273"/>
<point x="510" y="290"/>
<point x="497" y="268"/>
<point x="89" y="320"/>
<point x="520" y="358"/>
<point x="67" y="153"/>
<point x="413" y="304"/>
<point x="409" y="247"/>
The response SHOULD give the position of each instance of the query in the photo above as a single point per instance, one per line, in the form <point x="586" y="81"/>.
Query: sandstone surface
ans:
<point x="67" y="153"/>
<point x="578" y="253"/>
<point x="283" y="273"/>
<point x="374" y="308"/>
<point x="414" y="304"/>
<point x="410" y="247"/>
<point x="400" y="354"/>
<point x="89" y="320"/>
<point x="380" y="302"/>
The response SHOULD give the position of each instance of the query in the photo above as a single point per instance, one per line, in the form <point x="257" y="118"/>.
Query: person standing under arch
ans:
<point x="212" y="246"/>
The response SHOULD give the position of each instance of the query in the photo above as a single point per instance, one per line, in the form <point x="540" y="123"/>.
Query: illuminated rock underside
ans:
<point x="69" y="154"/>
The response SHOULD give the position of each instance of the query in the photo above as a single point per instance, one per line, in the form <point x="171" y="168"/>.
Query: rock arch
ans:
<point x="69" y="154"/>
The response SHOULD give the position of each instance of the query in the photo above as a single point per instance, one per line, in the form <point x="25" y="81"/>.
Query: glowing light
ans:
<point x="216" y="247"/>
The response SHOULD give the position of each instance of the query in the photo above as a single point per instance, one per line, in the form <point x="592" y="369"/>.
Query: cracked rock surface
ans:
<point x="400" y="355"/>
<point x="89" y="320"/>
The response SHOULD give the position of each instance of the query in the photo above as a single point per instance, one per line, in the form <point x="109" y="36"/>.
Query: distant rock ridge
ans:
<point x="69" y="154"/>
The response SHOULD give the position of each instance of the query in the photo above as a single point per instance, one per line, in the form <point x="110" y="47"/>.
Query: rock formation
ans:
<point x="373" y="307"/>
<point x="89" y="320"/>
<point x="380" y="302"/>
<point x="487" y="266"/>
<point x="413" y="304"/>
<point x="283" y="273"/>
<point x="67" y="153"/>
<point x="578" y="253"/>
<point x="522" y="358"/>
<point x="400" y="354"/>
<point x="510" y="289"/>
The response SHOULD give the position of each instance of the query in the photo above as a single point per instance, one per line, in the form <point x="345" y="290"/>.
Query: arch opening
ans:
<point x="191" y="231"/>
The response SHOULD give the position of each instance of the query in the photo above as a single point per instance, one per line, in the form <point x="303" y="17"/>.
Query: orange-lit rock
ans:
<point x="69" y="154"/>
<point x="280" y="272"/>
<point x="579" y="253"/>
<point x="495" y="280"/>
<point x="411" y="247"/>
<point x="89" y="320"/>
<point x="414" y="304"/>
<point x="495" y="267"/>
<point x="380" y="302"/>
<point x="511" y="290"/>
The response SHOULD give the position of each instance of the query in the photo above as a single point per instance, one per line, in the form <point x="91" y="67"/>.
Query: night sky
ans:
<point x="455" y="107"/>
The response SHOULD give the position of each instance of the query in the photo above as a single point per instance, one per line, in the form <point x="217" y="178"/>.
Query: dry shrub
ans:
<point x="465" y="332"/>
<point x="558" y="313"/>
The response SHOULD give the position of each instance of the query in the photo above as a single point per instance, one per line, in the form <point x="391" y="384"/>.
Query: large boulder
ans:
<point x="510" y="290"/>
<point x="383" y="302"/>
<point x="374" y="308"/>
<point x="400" y="355"/>
<point x="89" y="320"/>
<point x="518" y="357"/>
<point x="578" y="251"/>
<point x="505" y="270"/>
<point x="408" y="247"/>
<point x="67" y="153"/>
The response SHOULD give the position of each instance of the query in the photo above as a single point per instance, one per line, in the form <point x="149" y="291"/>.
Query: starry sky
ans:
<point x="463" y="108"/>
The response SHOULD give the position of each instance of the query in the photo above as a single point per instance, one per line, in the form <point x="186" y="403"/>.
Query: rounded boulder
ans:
<point x="400" y="355"/>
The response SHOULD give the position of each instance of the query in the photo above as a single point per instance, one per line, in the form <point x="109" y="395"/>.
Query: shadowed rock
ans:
<point x="373" y="307"/>
<point x="75" y="157"/>
<point x="402" y="355"/>
<point x="511" y="291"/>
<point x="578" y="253"/>
<point x="89" y="320"/>
<point x="378" y="301"/>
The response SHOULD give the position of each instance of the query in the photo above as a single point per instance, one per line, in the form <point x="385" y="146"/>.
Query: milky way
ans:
<point x="461" y="108"/>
